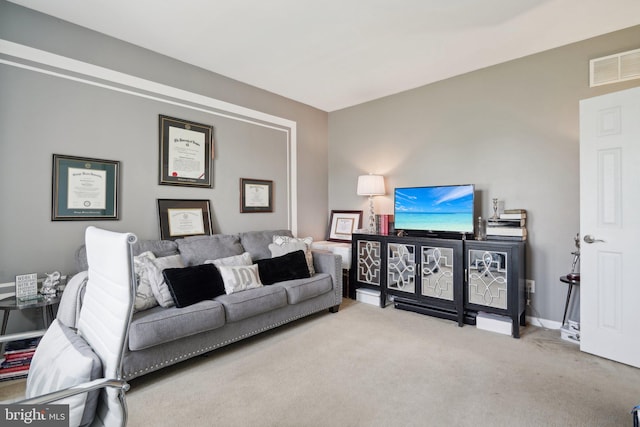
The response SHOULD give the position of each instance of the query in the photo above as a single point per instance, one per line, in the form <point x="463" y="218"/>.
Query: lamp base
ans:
<point x="372" y="217"/>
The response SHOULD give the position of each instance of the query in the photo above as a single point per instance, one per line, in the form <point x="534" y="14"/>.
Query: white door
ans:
<point x="610" y="226"/>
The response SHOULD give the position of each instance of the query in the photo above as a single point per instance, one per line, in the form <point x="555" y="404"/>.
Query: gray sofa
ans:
<point x="162" y="336"/>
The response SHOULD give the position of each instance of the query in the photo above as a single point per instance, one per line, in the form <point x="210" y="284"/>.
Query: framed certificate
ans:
<point x="84" y="188"/>
<point x="256" y="195"/>
<point x="186" y="151"/>
<point x="343" y="224"/>
<point x="182" y="218"/>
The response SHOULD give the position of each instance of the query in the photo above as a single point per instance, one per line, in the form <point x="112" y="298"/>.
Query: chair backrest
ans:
<point x="107" y="309"/>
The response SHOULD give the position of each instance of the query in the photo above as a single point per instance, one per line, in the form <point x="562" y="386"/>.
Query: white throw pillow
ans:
<point x="242" y="259"/>
<point x="159" y="288"/>
<point x="283" y="245"/>
<point x="144" y="294"/>
<point x="64" y="359"/>
<point x="238" y="278"/>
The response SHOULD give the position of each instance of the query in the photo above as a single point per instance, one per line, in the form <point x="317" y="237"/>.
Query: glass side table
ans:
<point x="47" y="304"/>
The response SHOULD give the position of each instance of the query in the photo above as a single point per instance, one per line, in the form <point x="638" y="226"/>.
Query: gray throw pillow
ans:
<point x="156" y="280"/>
<point x="144" y="294"/>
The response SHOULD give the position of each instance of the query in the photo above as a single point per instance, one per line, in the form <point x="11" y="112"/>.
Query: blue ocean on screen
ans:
<point x="459" y="222"/>
<point x="436" y="208"/>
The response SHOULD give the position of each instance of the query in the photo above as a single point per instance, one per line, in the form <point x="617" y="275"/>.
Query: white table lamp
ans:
<point x="371" y="185"/>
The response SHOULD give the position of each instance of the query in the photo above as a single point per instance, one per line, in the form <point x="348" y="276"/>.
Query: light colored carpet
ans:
<point x="367" y="366"/>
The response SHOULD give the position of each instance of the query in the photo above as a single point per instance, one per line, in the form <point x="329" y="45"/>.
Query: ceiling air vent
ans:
<point x="614" y="68"/>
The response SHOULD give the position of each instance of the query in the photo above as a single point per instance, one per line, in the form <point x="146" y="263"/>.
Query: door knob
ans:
<point x="590" y="239"/>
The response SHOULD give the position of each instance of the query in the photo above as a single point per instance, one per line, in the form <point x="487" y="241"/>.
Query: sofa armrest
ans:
<point x="328" y="262"/>
<point x="71" y="301"/>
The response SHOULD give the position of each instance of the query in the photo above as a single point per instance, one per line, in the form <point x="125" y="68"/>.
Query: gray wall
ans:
<point x="44" y="114"/>
<point x="511" y="129"/>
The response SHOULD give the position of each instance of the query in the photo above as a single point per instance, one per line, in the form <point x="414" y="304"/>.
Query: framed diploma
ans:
<point x="182" y="218"/>
<point x="256" y="195"/>
<point x="186" y="151"/>
<point x="84" y="188"/>
<point x="343" y="224"/>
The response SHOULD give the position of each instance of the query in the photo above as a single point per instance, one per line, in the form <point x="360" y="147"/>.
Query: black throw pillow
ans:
<point x="286" y="267"/>
<point x="190" y="285"/>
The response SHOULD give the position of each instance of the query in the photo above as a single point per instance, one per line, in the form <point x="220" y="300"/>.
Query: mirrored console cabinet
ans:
<point x="446" y="278"/>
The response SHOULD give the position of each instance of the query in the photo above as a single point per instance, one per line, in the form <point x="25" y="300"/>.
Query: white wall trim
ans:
<point x="543" y="323"/>
<point x="90" y="74"/>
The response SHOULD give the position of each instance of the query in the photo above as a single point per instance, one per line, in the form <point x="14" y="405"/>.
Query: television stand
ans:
<point x="418" y="307"/>
<point x="447" y="278"/>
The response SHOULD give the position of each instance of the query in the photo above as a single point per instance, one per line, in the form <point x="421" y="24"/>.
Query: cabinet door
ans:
<point x="436" y="272"/>
<point x="487" y="278"/>
<point x="369" y="262"/>
<point x="401" y="267"/>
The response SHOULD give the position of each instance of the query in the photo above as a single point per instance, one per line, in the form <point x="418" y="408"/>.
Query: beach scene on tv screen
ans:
<point x="448" y="208"/>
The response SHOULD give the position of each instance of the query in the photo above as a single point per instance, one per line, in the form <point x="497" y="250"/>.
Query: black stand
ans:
<point x="570" y="282"/>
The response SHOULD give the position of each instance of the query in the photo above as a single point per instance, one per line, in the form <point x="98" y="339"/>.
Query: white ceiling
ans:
<point x="333" y="54"/>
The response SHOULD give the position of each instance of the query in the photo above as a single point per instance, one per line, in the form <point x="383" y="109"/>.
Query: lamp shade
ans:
<point x="370" y="185"/>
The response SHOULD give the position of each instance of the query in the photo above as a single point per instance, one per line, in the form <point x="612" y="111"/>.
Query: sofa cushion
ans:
<point x="303" y="289"/>
<point x="197" y="249"/>
<point x="160" y="325"/>
<point x="239" y="278"/>
<point x="193" y="284"/>
<point x="242" y="305"/>
<point x="286" y="267"/>
<point x="257" y="242"/>
<point x="159" y="248"/>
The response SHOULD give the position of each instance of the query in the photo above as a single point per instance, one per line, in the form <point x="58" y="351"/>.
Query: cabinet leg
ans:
<point x="515" y="326"/>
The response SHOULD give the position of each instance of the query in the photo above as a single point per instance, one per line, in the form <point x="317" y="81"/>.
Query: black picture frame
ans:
<point x="256" y="195"/>
<point x="343" y="224"/>
<point x="84" y="189"/>
<point x="180" y="218"/>
<point x="186" y="153"/>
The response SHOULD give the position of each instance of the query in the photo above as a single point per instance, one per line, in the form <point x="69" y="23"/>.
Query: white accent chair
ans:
<point x="71" y="364"/>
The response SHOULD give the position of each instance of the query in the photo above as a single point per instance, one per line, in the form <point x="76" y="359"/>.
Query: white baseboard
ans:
<point x="544" y="323"/>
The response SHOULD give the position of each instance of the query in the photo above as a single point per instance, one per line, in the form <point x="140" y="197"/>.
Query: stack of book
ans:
<point x="17" y="358"/>
<point x="384" y="224"/>
<point x="510" y="225"/>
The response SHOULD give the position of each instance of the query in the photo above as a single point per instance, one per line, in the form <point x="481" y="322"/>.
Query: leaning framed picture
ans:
<point x="343" y="224"/>
<point x="183" y="218"/>
<point x="186" y="153"/>
<point x="84" y="188"/>
<point x="256" y="195"/>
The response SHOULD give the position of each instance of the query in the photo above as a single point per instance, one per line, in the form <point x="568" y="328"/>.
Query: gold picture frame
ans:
<point x="343" y="224"/>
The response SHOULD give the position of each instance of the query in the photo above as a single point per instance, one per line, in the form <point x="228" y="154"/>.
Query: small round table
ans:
<point x="571" y="282"/>
<point x="47" y="304"/>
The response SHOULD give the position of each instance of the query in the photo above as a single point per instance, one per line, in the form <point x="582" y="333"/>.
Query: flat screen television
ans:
<point x="439" y="210"/>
